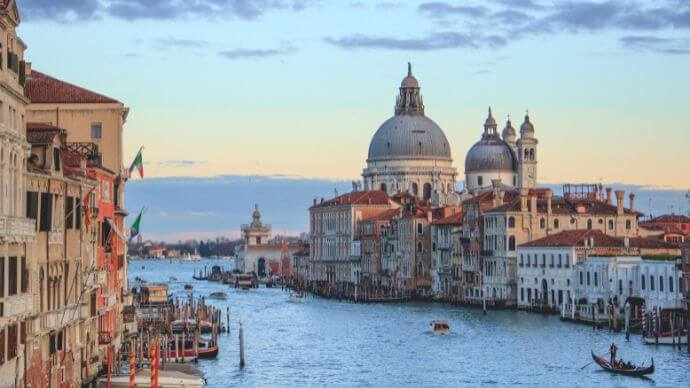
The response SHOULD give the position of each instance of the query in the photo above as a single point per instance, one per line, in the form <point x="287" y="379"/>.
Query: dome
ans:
<point x="509" y="131"/>
<point x="527" y="126"/>
<point x="490" y="154"/>
<point x="409" y="137"/>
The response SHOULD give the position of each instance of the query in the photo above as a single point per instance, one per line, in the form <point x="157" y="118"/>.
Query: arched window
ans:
<point x="542" y="223"/>
<point x="589" y="224"/>
<point x="511" y="222"/>
<point x="420" y="247"/>
<point x="415" y="189"/>
<point x="596" y="279"/>
<point x="628" y="224"/>
<point x="531" y="154"/>
<point x="670" y="283"/>
<point x="427" y="191"/>
<point x="556" y="223"/>
<point x="651" y="283"/>
<point x="526" y="154"/>
<point x="661" y="283"/>
<point x="384" y="188"/>
<point x="511" y="243"/>
<point x="642" y="282"/>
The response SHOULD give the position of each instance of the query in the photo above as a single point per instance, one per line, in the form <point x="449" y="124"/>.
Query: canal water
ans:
<point x="326" y="342"/>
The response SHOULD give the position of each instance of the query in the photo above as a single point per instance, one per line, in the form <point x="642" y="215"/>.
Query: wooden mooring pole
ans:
<point x="241" y="346"/>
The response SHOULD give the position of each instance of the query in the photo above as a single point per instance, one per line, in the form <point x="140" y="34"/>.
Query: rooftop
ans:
<point x="375" y="197"/>
<point x="42" y="88"/>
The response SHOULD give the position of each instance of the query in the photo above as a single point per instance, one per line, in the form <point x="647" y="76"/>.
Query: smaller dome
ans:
<point x="490" y="154"/>
<point x="508" y="131"/>
<point x="527" y="125"/>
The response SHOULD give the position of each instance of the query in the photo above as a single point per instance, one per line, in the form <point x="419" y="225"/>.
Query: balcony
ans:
<point x="17" y="229"/>
<point x="19" y="305"/>
<point x="57" y="319"/>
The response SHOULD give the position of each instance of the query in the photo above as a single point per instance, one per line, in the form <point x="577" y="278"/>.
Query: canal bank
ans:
<point x="327" y="342"/>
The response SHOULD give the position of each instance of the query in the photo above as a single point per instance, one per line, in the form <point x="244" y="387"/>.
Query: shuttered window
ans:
<point x="11" y="342"/>
<point x="69" y="213"/>
<point x="24" y="275"/>
<point x="12" y="284"/>
<point x="46" y="212"/>
<point x="32" y="205"/>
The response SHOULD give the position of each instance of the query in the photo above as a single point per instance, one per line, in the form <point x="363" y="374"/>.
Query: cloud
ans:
<point x="242" y="53"/>
<point x="178" y="163"/>
<point x="441" y="10"/>
<point x="442" y="40"/>
<point x="180" y="43"/>
<point x="81" y="10"/>
<point x="656" y="44"/>
<point x="519" y="4"/>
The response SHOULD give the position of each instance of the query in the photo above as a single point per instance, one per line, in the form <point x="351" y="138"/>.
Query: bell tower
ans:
<point x="527" y="155"/>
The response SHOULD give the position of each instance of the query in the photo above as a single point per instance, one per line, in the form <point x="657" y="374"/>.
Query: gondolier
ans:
<point x="613" y="350"/>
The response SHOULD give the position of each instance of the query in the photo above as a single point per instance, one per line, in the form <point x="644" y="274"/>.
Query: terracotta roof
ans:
<point x="561" y="205"/>
<point x="671" y="218"/>
<point x="42" y="88"/>
<point x="42" y="135"/>
<point x="385" y="216"/>
<point x="455" y="219"/>
<point x="577" y="238"/>
<point x="375" y="197"/>
<point x="570" y="238"/>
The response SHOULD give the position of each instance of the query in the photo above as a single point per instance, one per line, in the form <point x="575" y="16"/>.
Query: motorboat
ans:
<point x="627" y="371"/>
<point x="440" y="327"/>
<point x="188" y="288"/>
<point x="297" y="297"/>
<point x="179" y="325"/>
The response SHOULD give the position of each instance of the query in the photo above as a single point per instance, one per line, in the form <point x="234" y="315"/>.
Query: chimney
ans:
<point x="549" y="196"/>
<point x="619" y="202"/>
<point x="27" y="69"/>
<point x="609" y="198"/>
<point x="523" y="199"/>
<point x="533" y="203"/>
<point x="314" y="201"/>
<point x="632" y="202"/>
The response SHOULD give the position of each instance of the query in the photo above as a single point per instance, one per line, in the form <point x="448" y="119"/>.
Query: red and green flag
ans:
<point x="135" y="228"/>
<point x="138" y="164"/>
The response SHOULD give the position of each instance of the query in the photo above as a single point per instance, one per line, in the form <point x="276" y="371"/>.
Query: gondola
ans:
<point x="195" y="277"/>
<point x="637" y="371"/>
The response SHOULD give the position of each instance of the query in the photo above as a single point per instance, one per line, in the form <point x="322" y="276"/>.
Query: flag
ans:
<point x="134" y="229"/>
<point x="86" y="205"/>
<point x="114" y="228"/>
<point x="138" y="163"/>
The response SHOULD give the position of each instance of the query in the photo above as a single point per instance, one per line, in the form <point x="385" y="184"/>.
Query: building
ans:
<point x="258" y="253"/>
<point x="536" y="213"/>
<point x="446" y="255"/>
<point x="335" y="263"/>
<point x="512" y="162"/>
<point x="409" y="152"/>
<point x="588" y="266"/>
<point x="673" y="222"/>
<point x="370" y="235"/>
<point x="17" y="232"/>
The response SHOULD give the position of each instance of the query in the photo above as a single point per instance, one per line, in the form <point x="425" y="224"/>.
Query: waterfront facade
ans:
<point x="447" y="255"/>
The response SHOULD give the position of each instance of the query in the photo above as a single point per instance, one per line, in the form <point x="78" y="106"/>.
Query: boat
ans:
<point x="207" y="348"/>
<point x="179" y="325"/>
<point x="440" y="327"/>
<point x="218" y="295"/>
<point x="172" y="279"/>
<point x="170" y="375"/>
<point x="667" y="338"/>
<point x="297" y="297"/>
<point x="188" y="288"/>
<point x="636" y="371"/>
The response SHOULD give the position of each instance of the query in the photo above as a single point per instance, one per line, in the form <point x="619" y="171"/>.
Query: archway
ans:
<point x="261" y="268"/>
<point x="544" y="292"/>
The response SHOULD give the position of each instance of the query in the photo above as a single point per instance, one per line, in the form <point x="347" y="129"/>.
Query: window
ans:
<point x="651" y="283"/>
<point x="415" y="189"/>
<point x="543" y="260"/>
<point x="12" y="276"/>
<point x="642" y="282"/>
<point x="420" y="247"/>
<point x="2" y="346"/>
<point x="522" y="294"/>
<point x="511" y="243"/>
<point x="480" y="181"/>
<point x="77" y="214"/>
<point x="96" y="131"/>
<point x="511" y="222"/>
<point x="620" y="287"/>
<point x="384" y="188"/>
<point x="661" y="283"/>
<point x="560" y="260"/>
<point x="542" y="223"/>
<point x="105" y="235"/>
<point x="24" y="275"/>
<point x="11" y="342"/>
<point x="581" y="278"/>
<point x="556" y="224"/>
<point x="69" y="213"/>
<point x="588" y="277"/>
<point x="628" y="224"/>
<point x="420" y="228"/>
<point x="610" y="224"/>
<point x="56" y="159"/>
<point x="521" y="261"/>
<point x="32" y="205"/>
<point x="589" y="224"/>
<point x="596" y="279"/>
<point x="2" y="276"/>
<point x="46" y="212"/>
<point x="670" y="283"/>
<point x="427" y="191"/>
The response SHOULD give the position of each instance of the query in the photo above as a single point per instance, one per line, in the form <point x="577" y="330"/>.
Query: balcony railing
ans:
<point x="19" y="305"/>
<point x="17" y="229"/>
<point x="57" y="319"/>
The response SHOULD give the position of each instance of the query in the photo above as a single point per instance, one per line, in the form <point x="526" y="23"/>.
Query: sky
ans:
<point x="296" y="88"/>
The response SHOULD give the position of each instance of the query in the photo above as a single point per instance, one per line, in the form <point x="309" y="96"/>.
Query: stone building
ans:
<point x="258" y="252"/>
<point x="17" y="232"/>
<point x="536" y="213"/>
<point x="409" y="153"/>
<point x="446" y="255"/>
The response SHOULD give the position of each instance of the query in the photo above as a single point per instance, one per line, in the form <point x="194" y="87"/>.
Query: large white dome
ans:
<point x="409" y="137"/>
